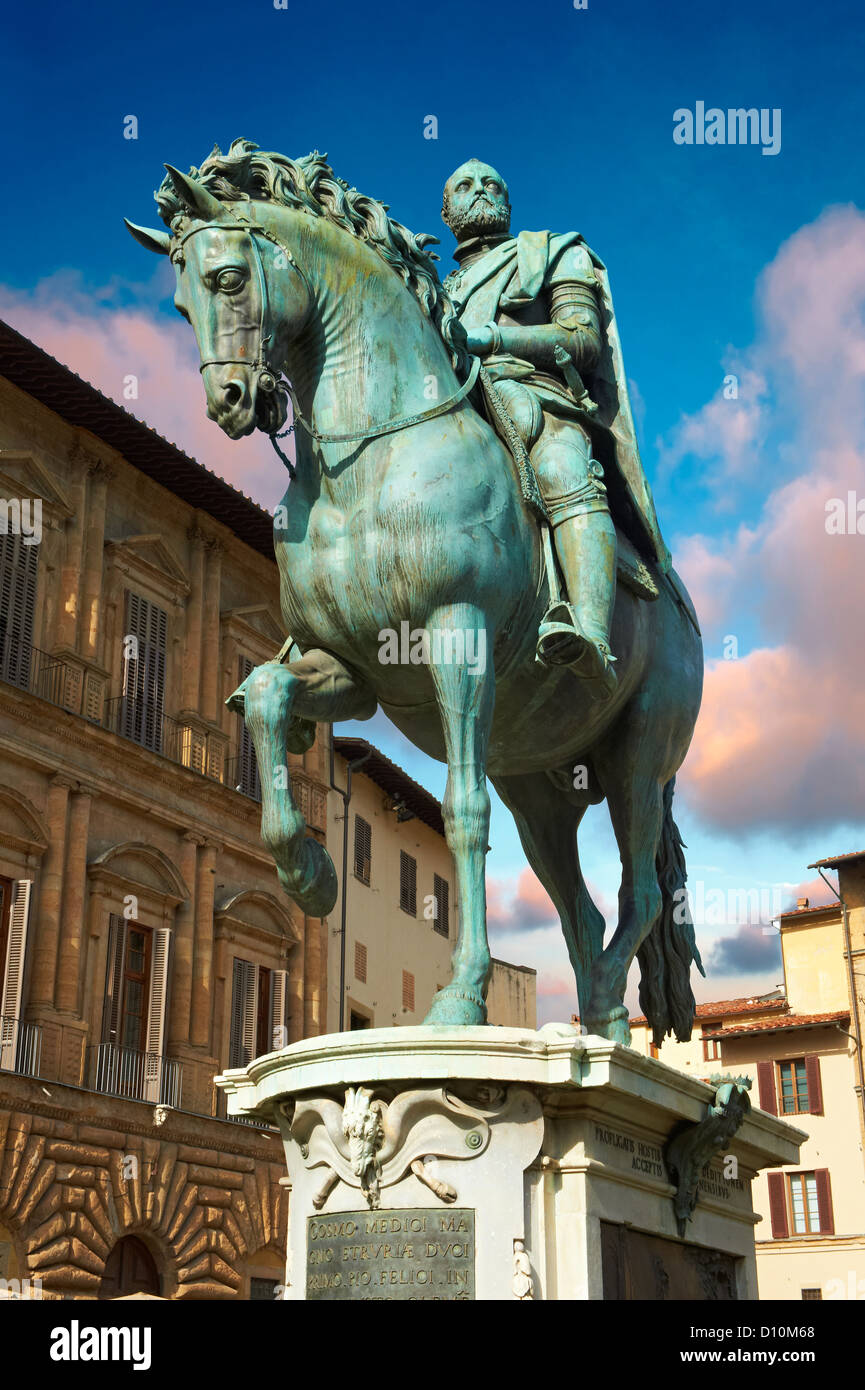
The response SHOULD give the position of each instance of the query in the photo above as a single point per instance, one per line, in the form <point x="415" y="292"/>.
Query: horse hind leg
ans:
<point x="278" y="703"/>
<point x="548" y="821"/>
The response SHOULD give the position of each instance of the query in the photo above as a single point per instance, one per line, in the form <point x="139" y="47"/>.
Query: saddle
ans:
<point x="632" y="571"/>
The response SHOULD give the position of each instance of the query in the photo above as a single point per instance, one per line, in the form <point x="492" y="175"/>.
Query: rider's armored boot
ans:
<point x="577" y="633"/>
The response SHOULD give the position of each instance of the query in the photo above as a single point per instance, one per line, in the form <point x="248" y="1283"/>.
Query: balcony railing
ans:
<point x="242" y="774"/>
<point x="123" y="1071"/>
<point x="192" y="747"/>
<point x="20" y="1046"/>
<point x="60" y="682"/>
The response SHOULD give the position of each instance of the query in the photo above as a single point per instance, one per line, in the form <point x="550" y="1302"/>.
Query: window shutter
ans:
<point x="408" y="883"/>
<point x="144" y="678"/>
<point x="766" y="1085"/>
<point x="824" y="1201"/>
<point x="778" y="1203"/>
<point x="19" y="568"/>
<point x="279" y="1010"/>
<point x="815" y="1085"/>
<point x="441" y="892"/>
<point x="114" y="978"/>
<point x="362" y="849"/>
<point x="156" y="1014"/>
<point x="10" y="1004"/>
<point x="244" y="1000"/>
<point x="247" y="765"/>
<point x="360" y="962"/>
<point x="408" y="991"/>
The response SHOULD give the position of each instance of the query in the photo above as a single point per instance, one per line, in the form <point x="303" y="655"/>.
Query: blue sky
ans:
<point x="718" y="256"/>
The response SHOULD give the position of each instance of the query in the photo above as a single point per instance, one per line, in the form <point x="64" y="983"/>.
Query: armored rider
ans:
<point x="521" y="301"/>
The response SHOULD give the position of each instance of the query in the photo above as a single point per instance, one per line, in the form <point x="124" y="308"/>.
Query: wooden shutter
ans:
<point x="766" y="1086"/>
<point x="824" y="1201"/>
<point x="117" y="927"/>
<point x="441" y="893"/>
<point x="13" y="978"/>
<point x="156" y="1014"/>
<point x="19" y="568"/>
<point x="244" y="1001"/>
<point x="778" y="1203"/>
<point x="360" y="962"/>
<point x="815" y="1085"/>
<point x="362" y="849"/>
<point x="408" y="883"/>
<point x="408" y="991"/>
<point x="247" y="765"/>
<point x="144" y="678"/>
<point x="278" y="1010"/>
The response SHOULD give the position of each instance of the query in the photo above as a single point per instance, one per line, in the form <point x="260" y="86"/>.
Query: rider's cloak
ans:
<point x="507" y="278"/>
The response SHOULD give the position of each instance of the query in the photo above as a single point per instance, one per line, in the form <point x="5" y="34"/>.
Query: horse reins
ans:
<point x="269" y="377"/>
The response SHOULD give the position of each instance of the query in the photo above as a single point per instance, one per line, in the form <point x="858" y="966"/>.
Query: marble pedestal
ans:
<point x="500" y="1163"/>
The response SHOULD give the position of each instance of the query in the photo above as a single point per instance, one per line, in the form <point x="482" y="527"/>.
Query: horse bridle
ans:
<point x="269" y="377"/>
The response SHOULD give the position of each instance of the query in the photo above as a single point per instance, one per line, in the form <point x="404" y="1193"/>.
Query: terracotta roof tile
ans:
<point x="393" y="780"/>
<point x="776" y="1025"/>
<point x="837" y="859"/>
<point x="78" y="403"/>
<point x="725" y="1008"/>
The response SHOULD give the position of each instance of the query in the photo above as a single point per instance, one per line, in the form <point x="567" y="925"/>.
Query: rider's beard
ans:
<point x="482" y="219"/>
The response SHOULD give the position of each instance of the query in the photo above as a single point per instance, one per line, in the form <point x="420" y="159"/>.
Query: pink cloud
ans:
<point x="781" y="735"/>
<point x="106" y="344"/>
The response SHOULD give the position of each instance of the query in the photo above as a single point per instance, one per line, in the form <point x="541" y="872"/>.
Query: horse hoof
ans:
<point x="613" y="1024"/>
<point x="457" y="1007"/>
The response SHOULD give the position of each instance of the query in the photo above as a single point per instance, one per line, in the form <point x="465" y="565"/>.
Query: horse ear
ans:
<point x="196" y="196"/>
<point x="149" y="238"/>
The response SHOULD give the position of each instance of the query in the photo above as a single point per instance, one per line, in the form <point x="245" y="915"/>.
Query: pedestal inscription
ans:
<point x="417" y="1253"/>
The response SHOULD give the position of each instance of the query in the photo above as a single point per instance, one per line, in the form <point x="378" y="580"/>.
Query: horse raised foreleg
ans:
<point x="465" y="692"/>
<point x="276" y="702"/>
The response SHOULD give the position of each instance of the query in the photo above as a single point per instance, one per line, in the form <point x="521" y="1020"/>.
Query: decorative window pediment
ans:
<point x="256" y="914"/>
<point x="144" y="871"/>
<point x="22" y="475"/>
<point x="148" y="560"/>
<point x="255" y="626"/>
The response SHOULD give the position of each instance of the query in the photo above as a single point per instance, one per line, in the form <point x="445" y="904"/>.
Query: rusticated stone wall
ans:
<point x="80" y="1171"/>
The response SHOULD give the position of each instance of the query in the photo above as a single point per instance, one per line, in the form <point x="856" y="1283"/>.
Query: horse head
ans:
<point x="245" y="296"/>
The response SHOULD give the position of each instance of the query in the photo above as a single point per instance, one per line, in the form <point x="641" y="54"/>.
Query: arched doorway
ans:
<point x="130" y="1268"/>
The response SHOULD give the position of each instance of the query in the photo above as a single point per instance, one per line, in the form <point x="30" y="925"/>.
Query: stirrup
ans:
<point x="562" y="642"/>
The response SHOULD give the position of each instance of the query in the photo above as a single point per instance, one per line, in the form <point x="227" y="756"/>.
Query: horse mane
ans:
<point x="248" y="173"/>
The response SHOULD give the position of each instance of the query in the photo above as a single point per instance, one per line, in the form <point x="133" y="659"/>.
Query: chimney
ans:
<point x="803" y="902"/>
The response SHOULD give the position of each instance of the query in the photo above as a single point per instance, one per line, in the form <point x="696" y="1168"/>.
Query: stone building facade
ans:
<point x="802" y="1047"/>
<point x="402" y="902"/>
<point x="145" y="943"/>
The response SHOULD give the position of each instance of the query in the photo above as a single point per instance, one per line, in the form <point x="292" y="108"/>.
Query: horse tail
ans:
<point x="665" y="957"/>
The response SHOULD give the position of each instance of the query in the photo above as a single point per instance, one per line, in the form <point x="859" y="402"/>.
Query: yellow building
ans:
<point x="401" y="901"/>
<point x="145" y="942"/>
<point x="802" y="1047"/>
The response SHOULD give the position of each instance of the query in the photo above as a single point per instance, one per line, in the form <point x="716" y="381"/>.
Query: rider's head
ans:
<point x="476" y="202"/>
